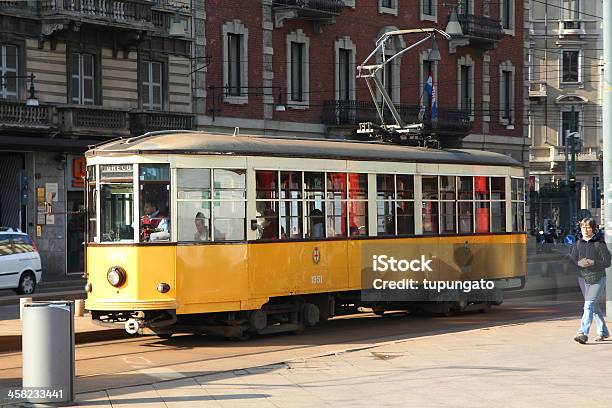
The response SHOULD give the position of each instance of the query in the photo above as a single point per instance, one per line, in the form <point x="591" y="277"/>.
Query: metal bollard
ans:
<point x="47" y="337"/>
<point x="79" y="307"/>
<point x="22" y="302"/>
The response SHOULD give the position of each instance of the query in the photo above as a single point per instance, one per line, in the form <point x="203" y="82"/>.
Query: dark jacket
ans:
<point x="596" y="250"/>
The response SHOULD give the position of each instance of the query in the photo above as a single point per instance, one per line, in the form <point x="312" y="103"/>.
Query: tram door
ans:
<point x="76" y="232"/>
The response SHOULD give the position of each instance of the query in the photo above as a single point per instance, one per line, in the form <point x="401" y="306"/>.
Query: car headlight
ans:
<point x="116" y="276"/>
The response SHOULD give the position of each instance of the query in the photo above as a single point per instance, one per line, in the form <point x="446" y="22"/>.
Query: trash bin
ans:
<point x="47" y="337"/>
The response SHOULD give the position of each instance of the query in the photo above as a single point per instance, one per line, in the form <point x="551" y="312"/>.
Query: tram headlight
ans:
<point x="163" y="287"/>
<point x="116" y="276"/>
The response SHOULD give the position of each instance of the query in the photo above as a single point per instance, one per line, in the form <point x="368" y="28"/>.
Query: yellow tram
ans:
<point x="206" y="233"/>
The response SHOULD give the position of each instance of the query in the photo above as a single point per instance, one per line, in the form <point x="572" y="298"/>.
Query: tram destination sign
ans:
<point x="116" y="171"/>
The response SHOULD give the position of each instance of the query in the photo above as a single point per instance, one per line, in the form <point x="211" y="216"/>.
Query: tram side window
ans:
<point x="155" y="202"/>
<point x="447" y="204"/>
<point x="291" y="204"/>
<point x="465" y="205"/>
<point x="267" y="204"/>
<point x="336" y="205"/>
<point x="193" y="205"/>
<point x="116" y="202"/>
<point x="358" y="204"/>
<point x="314" y="202"/>
<point x="404" y="206"/>
<point x="482" y="194"/>
<point x="518" y="205"/>
<point x="385" y="204"/>
<point x="429" y="186"/>
<point x="498" y="204"/>
<point x="92" y="203"/>
<point x="229" y="204"/>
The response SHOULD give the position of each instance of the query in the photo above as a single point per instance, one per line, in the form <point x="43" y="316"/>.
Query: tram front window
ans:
<point x="154" y="202"/>
<point x="116" y="212"/>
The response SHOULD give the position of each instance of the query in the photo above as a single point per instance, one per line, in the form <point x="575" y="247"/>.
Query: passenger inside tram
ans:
<point x="316" y="221"/>
<point x="201" y="233"/>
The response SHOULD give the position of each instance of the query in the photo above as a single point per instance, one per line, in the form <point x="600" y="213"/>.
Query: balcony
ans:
<point x="480" y="30"/>
<point x="320" y="12"/>
<point x="537" y="90"/>
<point x="95" y="121"/>
<point x="449" y="122"/>
<point x="571" y="27"/>
<point x="16" y="115"/>
<point x="148" y="121"/>
<point x="128" y="14"/>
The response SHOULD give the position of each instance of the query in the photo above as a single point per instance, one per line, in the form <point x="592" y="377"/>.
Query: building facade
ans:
<point x="301" y="56"/>
<point x="76" y="73"/>
<point x="565" y="71"/>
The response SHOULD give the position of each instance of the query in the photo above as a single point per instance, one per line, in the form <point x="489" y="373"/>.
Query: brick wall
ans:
<point x="363" y="25"/>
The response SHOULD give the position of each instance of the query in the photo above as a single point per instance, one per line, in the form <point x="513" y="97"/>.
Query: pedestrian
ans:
<point x="592" y="256"/>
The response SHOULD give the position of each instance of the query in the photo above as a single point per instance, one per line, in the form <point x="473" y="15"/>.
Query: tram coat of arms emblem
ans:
<point x="316" y="255"/>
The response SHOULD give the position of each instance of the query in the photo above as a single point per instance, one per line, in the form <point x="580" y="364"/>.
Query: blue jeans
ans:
<point x="591" y="308"/>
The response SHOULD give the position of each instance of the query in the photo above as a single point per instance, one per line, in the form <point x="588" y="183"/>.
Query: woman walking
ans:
<point x="591" y="255"/>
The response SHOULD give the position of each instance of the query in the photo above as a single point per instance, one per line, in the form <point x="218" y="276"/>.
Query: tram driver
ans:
<point x="154" y="224"/>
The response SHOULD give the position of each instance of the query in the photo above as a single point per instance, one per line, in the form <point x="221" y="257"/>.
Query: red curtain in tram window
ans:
<point x="428" y="225"/>
<point x="480" y="184"/>
<point x="268" y="182"/>
<point x="353" y="206"/>
<point x="482" y="220"/>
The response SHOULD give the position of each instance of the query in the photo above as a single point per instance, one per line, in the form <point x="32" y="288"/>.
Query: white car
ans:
<point x="20" y="266"/>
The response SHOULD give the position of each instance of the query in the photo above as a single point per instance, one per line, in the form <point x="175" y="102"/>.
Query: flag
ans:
<point x="431" y="91"/>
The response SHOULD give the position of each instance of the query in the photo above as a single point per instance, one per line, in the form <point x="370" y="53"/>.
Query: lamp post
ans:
<point x="31" y="101"/>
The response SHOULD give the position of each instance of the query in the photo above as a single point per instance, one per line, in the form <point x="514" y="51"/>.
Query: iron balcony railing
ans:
<point x="123" y="11"/>
<point x="147" y="121"/>
<point x="480" y="27"/>
<point x="327" y="6"/>
<point x="350" y="113"/>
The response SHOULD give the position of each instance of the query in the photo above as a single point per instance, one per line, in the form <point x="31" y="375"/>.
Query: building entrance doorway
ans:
<point x="76" y="232"/>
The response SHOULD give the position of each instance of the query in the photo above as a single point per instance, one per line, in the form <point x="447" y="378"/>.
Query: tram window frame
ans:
<point x="119" y="175"/>
<point x="233" y="199"/>
<point x="155" y="176"/>
<point x="291" y="200"/>
<point x="482" y="201"/>
<point x="91" y="186"/>
<point x="447" y="200"/>
<point x="517" y="198"/>
<point x="430" y="197"/>
<point x="498" y="202"/>
<point x="211" y="203"/>
<point x="314" y="199"/>
<point x="336" y="199"/>
<point x="268" y="194"/>
<point x="465" y="197"/>
<point x="397" y="198"/>
<point x="189" y="183"/>
<point x="357" y="205"/>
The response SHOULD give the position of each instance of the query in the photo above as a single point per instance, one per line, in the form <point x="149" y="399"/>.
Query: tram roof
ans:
<point x="205" y="143"/>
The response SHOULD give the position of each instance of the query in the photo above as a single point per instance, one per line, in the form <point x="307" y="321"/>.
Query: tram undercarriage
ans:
<point x="283" y="314"/>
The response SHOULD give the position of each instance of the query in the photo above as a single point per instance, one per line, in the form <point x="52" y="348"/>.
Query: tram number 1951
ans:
<point x="316" y="279"/>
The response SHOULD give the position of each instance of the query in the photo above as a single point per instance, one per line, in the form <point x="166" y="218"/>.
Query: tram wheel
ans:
<point x="165" y="336"/>
<point x="486" y="308"/>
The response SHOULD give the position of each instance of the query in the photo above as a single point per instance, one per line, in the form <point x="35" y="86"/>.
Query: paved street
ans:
<point x="526" y="359"/>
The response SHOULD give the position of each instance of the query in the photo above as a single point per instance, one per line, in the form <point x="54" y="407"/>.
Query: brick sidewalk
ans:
<point x="533" y="364"/>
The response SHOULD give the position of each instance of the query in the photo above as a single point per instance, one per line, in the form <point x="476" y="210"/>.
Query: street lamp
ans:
<point x="31" y="101"/>
<point x="453" y="28"/>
